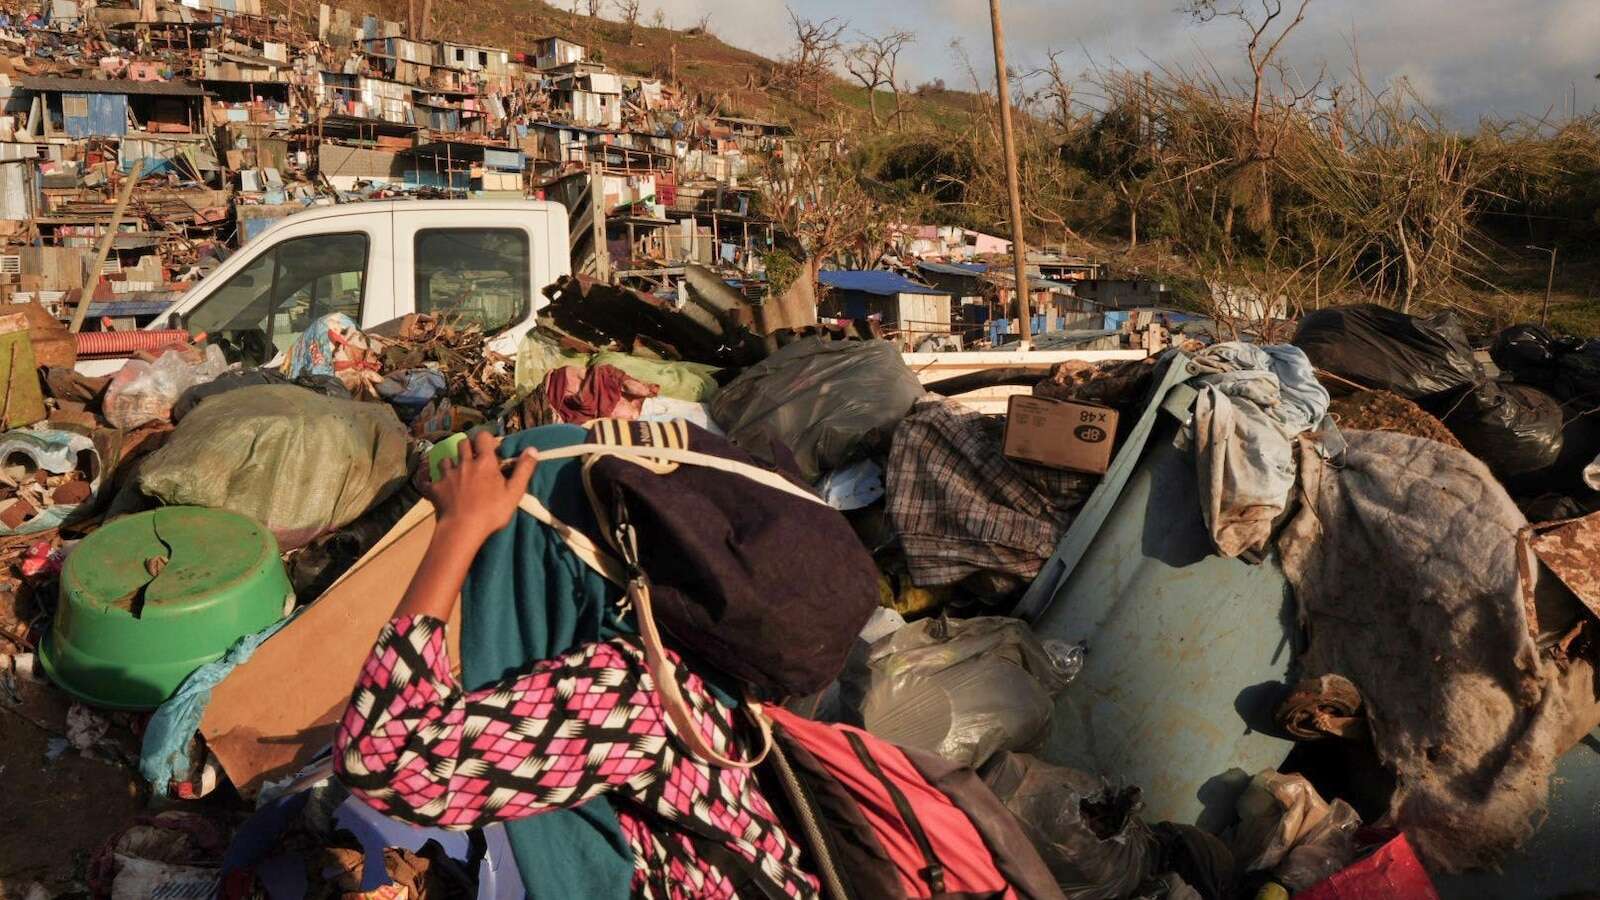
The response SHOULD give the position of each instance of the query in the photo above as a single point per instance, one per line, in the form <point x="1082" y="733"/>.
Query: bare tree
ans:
<point x="1260" y="48"/>
<point x="816" y="43"/>
<point x="873" y="61"/>
<point x="703" y="26"/>
<point x="628" y="11"/>
<point x="595" y="8"/>
<point x="815" y="197"/>
<point x="658" y="19"/>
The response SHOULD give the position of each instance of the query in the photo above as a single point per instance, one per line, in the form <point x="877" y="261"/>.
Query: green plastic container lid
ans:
<point x="151" y="597"/>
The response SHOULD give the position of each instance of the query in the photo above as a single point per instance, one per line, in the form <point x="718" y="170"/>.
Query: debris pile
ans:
<point x="1427" y="643"/>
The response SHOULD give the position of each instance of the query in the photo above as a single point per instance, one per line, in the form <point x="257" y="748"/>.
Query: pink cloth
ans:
<point x="580" y="395"/>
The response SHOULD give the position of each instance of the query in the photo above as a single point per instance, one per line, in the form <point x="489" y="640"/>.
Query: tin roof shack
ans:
<point x="1124" y="293"/>
<point x="913" y="310"/>
<point x="79" y="108"/>
<point x="551" y="52"/>
<point x="986" y="293"/>
<point x="366" y="98"/>
<point x="589" y="98"/>
<point x="553" y="147"/>
<point x="728" y="218"/>
<point x="751" y="135"/>
<point x="466" y="168"/>
<point x="401" y="59"/>
<point x="1064" y="268"/>
<point x="949" y="242"/>
<point x="471" y="58"/>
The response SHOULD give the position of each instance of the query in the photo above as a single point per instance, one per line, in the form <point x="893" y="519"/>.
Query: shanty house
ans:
<point x="925" y="241"/>
<point x="89" y="107"/>
<point x="590" y="98"/>
<point x="551" y="52"/>
<point x="749" y="134"/>
<point x="471" y="58"/>
<point x="913" y="309"/>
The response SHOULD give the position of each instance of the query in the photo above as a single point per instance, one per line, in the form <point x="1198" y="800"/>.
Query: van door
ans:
<point x="262" y="303"/>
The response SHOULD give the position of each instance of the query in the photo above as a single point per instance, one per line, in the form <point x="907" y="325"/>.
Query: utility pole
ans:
<point x="1019" y="250"/>
<point x="91" y="281"/>
<point x="1549" y="283"/>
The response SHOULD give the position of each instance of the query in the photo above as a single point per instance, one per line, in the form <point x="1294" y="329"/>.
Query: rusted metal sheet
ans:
<point x="1571" y="550"/>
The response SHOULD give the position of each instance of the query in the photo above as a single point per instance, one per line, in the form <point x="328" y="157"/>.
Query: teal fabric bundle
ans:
<point x="529" y="598"/>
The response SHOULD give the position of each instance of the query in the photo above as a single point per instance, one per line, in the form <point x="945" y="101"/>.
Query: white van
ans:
<point x="484" y="261"/>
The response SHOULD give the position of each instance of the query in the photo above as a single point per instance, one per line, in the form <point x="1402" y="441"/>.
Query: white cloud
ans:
<point x="1472" y="57"/>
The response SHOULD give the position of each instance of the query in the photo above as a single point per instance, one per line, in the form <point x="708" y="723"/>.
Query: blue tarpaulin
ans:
<point x="874" y="281"/>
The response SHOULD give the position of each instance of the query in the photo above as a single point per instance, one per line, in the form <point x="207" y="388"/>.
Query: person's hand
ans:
<point x="474" y="497"/>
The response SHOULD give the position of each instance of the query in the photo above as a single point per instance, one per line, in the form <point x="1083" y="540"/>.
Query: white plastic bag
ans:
<point x="143" y="392"/>
<point x="1285" y="826"/>
<point x="962" y="688"/>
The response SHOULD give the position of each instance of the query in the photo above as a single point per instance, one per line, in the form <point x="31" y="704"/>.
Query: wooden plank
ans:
<point x="931" y="367"/>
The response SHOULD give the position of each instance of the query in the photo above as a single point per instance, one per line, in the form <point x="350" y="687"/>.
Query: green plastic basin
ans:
<point x="124" y="638"/>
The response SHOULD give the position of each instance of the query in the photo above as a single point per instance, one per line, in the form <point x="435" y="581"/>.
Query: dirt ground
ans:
<point x="59" y="804"/>
<point x="57" y="811"/>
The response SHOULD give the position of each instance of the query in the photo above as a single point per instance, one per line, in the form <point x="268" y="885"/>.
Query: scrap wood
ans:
<point x="1368" y="410"/>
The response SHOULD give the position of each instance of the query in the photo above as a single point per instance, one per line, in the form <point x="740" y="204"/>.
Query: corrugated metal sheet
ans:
<point x="874" y="281"/>
<point x="16" y="189"/>
<point x="505" y="160"/>
<point x="94" y="115"/>
<point x="1187" y="651"/>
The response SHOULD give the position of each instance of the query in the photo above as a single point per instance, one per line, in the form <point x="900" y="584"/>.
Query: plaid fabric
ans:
<point x="963" y="511"/>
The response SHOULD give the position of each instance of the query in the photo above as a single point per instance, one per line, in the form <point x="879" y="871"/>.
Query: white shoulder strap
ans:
<point x="687" y="457"/>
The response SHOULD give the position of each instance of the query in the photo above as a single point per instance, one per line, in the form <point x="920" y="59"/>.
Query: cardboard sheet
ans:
<point x="274" y="713"/>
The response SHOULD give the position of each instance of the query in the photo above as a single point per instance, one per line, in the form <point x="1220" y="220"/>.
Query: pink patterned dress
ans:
<point x="417" y="746"/>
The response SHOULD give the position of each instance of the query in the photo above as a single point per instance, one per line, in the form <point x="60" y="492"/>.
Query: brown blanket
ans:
<point x="1403" y="559"/>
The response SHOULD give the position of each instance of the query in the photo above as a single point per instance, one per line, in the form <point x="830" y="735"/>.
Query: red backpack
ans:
<point x="886" y="821"/>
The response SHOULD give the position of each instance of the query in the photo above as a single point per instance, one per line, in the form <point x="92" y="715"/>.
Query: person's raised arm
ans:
<point x="474" y="498"/>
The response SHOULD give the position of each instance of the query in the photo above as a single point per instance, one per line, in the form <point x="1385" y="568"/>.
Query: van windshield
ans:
<point x="265" y="306"/>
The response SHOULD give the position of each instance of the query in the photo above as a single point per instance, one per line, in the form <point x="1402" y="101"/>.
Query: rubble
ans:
<point x="1255" y="577"/>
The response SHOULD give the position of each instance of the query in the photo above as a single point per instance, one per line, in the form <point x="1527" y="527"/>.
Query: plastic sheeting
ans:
<point x="1054" y="805"/>
<point x="828" y="402"/>
<point x="164" y="756"/>
<point x="1285" y="826"/>
<point x="299" y="463"/>
<point x="143" y="392"/>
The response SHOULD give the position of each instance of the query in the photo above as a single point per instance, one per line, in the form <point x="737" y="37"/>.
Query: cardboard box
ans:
<point x="274" y="713"/>
<point x="1060" y="434"/>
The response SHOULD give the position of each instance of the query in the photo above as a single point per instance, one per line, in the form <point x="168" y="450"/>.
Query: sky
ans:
<point x="1466" y="58"/>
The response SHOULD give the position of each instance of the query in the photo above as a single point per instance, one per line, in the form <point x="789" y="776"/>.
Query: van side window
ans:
<point x="269" y="303"/>
<point x="476" y="276"/>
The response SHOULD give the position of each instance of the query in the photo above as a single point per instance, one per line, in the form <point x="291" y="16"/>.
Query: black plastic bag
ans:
<point x="1381" y="349"/>
<point x="829" y="402"/>
<point x="326" y="385"/>
<point x="1577" y="374"/>
<point x="1525" y="351"/>
<point x="1513" y="428"/>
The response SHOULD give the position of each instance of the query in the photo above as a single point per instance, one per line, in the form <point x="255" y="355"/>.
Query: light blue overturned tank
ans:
<point x="1187" y="651"/>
